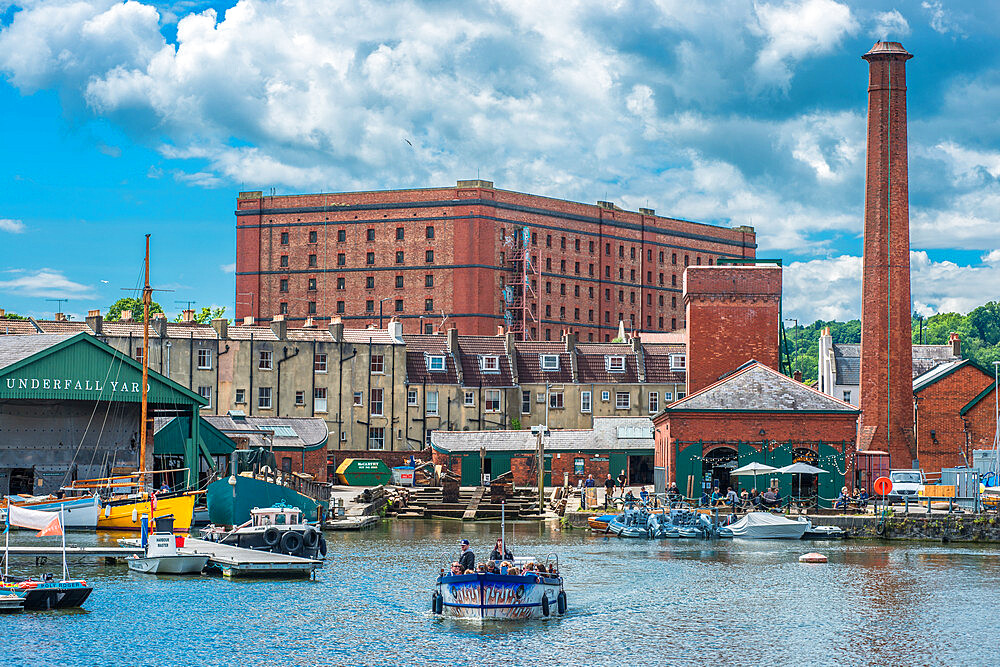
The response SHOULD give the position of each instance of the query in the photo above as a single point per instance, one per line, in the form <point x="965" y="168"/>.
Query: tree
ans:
<point x="133" y="304"/>
<point x="205" y="315"/>
<point x="12" y="316"/>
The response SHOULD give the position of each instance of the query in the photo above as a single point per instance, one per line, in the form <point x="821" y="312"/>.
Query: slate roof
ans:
<point x="63" y="326"/>
<point x="14" y="348"/>
<point x="417" y="349"/>
<point x="604" y="436"/>
<point x="756" y="387"/>
<point x="592" y="367"/>
<point x="14" y="327"/>
<point x="309" y="431"/>
<point x="529" y="364"/>
<point x="657" y="361"/>
<point x="471" y="348"/>
<point x="847" y="358"/>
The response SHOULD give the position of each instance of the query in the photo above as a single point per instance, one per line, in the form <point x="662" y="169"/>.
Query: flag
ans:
<point x="46" y="523"/>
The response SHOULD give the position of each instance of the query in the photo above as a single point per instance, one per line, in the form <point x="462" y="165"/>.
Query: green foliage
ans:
<point x="205" y="315"/>
<point x="12" y="316"/>
<point x="515" y="423"/>
<point x="133" y="304"/>
<point x="979" y="332"/>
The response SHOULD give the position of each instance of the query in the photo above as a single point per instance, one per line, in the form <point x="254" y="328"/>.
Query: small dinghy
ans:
<point x="10" y="602"/>
<point x="766" y="526"/>
<point x="162" y="556"/>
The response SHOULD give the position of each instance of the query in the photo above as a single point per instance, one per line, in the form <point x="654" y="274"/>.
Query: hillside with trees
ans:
<point x="979" y="331"/>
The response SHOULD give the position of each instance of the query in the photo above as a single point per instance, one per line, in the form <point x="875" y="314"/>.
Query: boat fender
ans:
<point x="310" y="538"/>
<point x="271" y="536"/>
<point x="437" y="603"/>
<point x="561" y="602"/>
<point x="322" y="548"/>
<point x="291" y="543"/>
<point x="135" y="515"/>
<point x="880" y="529"/>
<point x="545" y="605"/>
<point x="107" y="511"/>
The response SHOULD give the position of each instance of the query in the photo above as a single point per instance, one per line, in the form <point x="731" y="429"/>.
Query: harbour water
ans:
<point x="632" y="602"/>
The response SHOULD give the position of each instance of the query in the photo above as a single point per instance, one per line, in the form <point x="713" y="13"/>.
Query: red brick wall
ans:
<point x="886" y="389"/>
<point x="733" y="316"/>
<point x="713" y="428"/>
<point x="315" y="461"/>
<point x="937" y="409"/>
<point x="469" y="237"/>
<point x="980" y="421"/>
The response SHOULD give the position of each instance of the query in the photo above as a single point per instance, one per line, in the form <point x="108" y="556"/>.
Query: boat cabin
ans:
<point x="276" y="516"/>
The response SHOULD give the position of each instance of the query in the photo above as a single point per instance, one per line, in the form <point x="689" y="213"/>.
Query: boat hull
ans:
<point x="118" y="515"/>
<point x="77" y="513"/>
<point x="179" y="564"/>
<point x="230" y="505"/>
<point x="499" y="597"/>
<point x="53" y="595"/>
<point x="11" y="602"/>
<point x="764" y="526"/>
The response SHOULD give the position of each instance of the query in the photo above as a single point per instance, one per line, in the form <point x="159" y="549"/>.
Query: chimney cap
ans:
<point x="883" y="50"/>
<point x="93" y="313"/>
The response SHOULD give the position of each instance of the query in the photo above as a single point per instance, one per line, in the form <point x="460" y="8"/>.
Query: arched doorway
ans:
<point x="804" y="487"/>
<point x="716" y="466"/>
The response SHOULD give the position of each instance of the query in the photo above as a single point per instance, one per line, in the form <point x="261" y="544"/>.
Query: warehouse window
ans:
<point x="428" y="305"/>
<point x="555" y="400"/>
<point x="469" y="399"/>
<point x="312" y="236"/>
<point x="399" y="233"/>
<point x="673" y="322"/>
<point x="623" y="400"/>
<point x="371" y="234"/>
<point x="206" y="393"/>
<point x="548" y="240"/>
<point x="283" y="285"/>
<point x="525" y="402"/>
<point x="399" y="257"/>
<point x="340" y="306"/>
<point x="673" y="258"/>
<point x="319" y="363"/>
<point x="399" y="305"/>
<point x="264" y="398"/>
<point x="359" y="399"/>
<point x="284" y="261"/>
<point x="429" y="256"/>
<point x="432" y="403"/>
<point x="284" y="238"/>
<point x="319" y="399"/>
<point x="240" y="397"/>
<point x="312" y="307"/>
<point x="586" y="401"/>
<point x="377" y="364"/>
<point x="376" y="437"/>
<point x="429" y="280"/>
<point x="411" y="397"/>
<point x="311" y="285"/>
<point x="341" y="235"/>
<point x="370" y="306"/>
<point x="300" y="398"/>
<point x="430" y="232"/>
<point x="370" y="258"/>
<point x="204" y="359"/>
<point x="654" y="402"/>
<point x="399" y="282"/>
<point x="341" y="259"/>
<point x="375" y="401"/>
<point x="369" y="282"/>
<point x="491" y="400"/>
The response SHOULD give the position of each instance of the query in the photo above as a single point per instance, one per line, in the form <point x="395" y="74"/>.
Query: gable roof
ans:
<point x="613" y="433"/>
<point x="308" y="433"/>
<point x="529" y="363"/>
<point x="942" y="371"/>
<point x="755" y="387"/>
<point x="470" y="348"/>
<point x="418" y="347"/>
<point x="983" y="394"/>
<point x="18" y="352"/>
<point x="847" y="360"/>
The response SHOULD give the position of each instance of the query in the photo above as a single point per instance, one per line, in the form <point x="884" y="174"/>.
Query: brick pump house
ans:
<point x="756" y="414"/>
<point x="473" y="256"/>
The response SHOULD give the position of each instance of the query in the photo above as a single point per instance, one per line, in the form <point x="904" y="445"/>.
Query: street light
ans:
<point x="381" y="301"/>
<point x="791" y="319"/>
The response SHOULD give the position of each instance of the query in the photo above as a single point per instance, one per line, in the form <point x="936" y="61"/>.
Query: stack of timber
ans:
<point x="469" y="504"/>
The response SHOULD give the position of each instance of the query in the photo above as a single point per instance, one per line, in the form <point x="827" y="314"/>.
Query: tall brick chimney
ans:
<point x="886" y="392"/>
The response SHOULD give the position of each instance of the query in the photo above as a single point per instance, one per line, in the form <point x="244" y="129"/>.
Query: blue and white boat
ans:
<point x="499" y="596"/>
<point x="78" y="512"/>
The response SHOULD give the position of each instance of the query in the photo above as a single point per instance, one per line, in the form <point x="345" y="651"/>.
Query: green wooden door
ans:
<point x="471" y="473"/>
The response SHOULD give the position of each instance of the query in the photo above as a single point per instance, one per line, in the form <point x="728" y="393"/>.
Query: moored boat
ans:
<point x="48" y="593"/>
<point x="123" y="513"/>
<point x="162" y="555"/>
<point x="766" y="526"/>
<point x="278" y="529"/>
<point x="11" y="602"/>
<point x="79" y="512"/>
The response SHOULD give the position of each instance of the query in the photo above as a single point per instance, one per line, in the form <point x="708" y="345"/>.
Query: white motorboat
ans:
<point x="766" y="526"/>
<point x="162" y="555"/>
<point x="79" y="512"/>
<point x="11" y="602"/>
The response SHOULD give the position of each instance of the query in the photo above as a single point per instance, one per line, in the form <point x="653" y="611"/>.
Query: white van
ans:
<point x="906" y="483"/>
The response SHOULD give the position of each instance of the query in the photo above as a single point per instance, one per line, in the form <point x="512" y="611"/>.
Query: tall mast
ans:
<point x="146" y="299"/>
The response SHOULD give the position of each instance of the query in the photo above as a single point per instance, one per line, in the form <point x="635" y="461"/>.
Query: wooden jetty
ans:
<point x="352" y="522"/>
<point x="235" y="561"/>
<point x="109" y="554"/>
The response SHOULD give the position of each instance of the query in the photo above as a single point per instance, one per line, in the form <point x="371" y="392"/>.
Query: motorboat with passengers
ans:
<point x="279" y="529"/>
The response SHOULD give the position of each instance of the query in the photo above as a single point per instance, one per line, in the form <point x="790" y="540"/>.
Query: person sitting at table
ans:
<point x="744" y="498"/>
<point x="770" y="498"/>
<point x="716" y="496"/>
<point x="842" y="500"/>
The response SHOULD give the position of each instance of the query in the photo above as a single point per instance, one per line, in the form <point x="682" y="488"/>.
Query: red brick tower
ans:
<point x="886" y="398"/>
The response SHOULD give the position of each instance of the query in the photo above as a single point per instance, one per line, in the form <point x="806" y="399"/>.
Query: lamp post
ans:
<point x="381" y="301"/>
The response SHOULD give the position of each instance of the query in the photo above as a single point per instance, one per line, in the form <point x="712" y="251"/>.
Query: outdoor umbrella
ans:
<point x="753" y="469"/>
<point x="802" y="469"/>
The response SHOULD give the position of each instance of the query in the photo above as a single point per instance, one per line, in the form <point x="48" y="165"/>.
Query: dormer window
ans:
<point x="550" y="362"/>
<point x="435" y="363"/>
<point x="614" y="364"/>
<point x="678" y="361"/>
<point x="489" y="363"/>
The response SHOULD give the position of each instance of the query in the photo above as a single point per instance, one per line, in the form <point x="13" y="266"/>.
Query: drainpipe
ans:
<point x="277" y="398"/>
<point x="250" y="389"/>
<point x="218" y="354"/>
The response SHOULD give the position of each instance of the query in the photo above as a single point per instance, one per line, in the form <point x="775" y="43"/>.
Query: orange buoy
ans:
<point x="812" y="558"/>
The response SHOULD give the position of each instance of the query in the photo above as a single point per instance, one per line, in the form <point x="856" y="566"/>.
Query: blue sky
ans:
<point x="126" y="118"/>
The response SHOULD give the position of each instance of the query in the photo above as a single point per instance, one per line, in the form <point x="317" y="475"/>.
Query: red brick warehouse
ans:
<point x="442" y="256"/>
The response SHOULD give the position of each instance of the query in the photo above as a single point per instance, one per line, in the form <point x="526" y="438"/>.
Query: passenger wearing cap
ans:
<point x="468" y="559"/>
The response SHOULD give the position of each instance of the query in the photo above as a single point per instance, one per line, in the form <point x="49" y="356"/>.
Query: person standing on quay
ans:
<point x="621" y="482"/>
<point x="609" y="490"/>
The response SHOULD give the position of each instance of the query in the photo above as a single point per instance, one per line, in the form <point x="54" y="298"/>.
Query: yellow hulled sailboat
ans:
<point x="130" y="498"/>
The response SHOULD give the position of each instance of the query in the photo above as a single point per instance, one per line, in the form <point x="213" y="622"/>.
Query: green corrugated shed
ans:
<point x="170" y="439"/>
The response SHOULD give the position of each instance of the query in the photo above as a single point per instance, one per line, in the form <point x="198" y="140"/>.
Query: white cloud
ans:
<point x="45" y="283"/>
<point x="798" y="30"/>
<point x="830" y="288"/>
<point x="228" y="268"/>
<point x="890" y="25"/>
<point x="12" y="226"/>
<point x="940" y="20"/>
